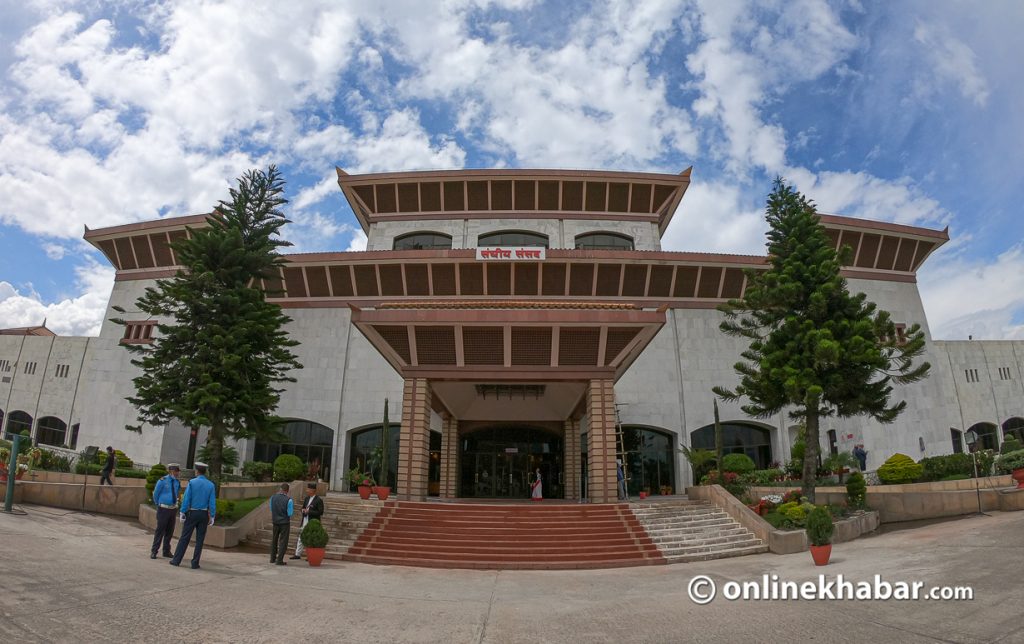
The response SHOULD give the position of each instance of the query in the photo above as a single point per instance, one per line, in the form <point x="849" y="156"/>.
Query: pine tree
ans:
<point x="814" y="347"/>
<point x="221" y="347"/>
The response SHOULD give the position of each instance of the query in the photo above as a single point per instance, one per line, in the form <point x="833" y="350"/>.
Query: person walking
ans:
<point x="108" y="467"/>
<point x="198" y="510"/>
<point x="312" y="508"/>
<point x="165" y="497"/>
<point x="281" y="509"/>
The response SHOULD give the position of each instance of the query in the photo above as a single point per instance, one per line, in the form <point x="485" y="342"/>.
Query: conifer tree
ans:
<point x="220" y="347"/>
<point x="815" y="349"/>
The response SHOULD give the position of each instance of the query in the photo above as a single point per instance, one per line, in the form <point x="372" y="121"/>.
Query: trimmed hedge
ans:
<point x="288" y="467"/>
<point x="900" y="468"/>
<point x="938" y="468"/>
<point x="856" y="490"/>
<point x="259" y="471"/>
<point x="94" y="469"/>
<point x="739" y="463"/>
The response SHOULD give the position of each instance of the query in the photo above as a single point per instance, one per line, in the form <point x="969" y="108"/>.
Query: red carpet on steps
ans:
<point x="505" y="536"/>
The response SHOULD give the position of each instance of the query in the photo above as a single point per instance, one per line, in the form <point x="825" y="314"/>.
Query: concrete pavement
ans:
<point x="69" y="576"/>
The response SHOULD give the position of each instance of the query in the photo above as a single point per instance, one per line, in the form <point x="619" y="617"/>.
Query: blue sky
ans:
<point x="114" y="112"/>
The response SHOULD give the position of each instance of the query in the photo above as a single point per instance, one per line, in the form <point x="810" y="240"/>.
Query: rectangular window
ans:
<point x="1004" y="373"/>
<point x="138" y="332"/>
<point x="5" y="365"/>
<point x="30" y="368"/>
<point x="957" y="437"/>
<point x="971" y="374"/>
<point x="62" y="370"/>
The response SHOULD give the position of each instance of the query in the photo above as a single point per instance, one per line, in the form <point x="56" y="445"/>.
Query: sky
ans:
<point x="116" y="111"/>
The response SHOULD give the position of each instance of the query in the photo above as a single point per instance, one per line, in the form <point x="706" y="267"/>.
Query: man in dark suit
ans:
<point x="312" y="508"/>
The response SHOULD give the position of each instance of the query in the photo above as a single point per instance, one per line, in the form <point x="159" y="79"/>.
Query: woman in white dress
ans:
<point x="537" y="488"/>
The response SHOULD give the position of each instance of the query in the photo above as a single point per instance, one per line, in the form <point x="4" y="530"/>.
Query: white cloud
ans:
<point x="951" y="62"/>
<point x="716" y="217"/>
<point x="54" y="251"/>
<point x="966" y="296"/>
<point x="81" y="315"/>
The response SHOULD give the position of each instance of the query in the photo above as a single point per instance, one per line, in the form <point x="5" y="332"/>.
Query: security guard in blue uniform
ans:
<point x="198" y="509"/>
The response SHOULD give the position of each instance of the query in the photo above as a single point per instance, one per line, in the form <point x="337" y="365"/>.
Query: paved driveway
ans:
<point x="78" y="577"/>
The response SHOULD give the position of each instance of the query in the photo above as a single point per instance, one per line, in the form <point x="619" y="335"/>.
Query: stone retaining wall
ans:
<point x="120" y="500"/>
<point x="915" y="501"/>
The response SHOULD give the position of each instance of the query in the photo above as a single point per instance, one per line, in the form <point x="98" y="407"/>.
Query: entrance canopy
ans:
<point x="509" y="340"/>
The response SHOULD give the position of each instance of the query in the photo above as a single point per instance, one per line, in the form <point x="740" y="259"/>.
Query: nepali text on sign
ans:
<point x="511" y="253"/>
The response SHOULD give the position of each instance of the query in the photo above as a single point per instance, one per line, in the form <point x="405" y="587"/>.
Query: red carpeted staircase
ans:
<point x="505" y="536"/>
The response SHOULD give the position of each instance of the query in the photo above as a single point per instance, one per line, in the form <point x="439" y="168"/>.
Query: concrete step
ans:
<point x="737" y="551"/>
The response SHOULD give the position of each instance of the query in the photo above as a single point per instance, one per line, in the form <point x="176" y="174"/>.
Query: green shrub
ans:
<point x="1009" y="462"/>
<point x="156" y="472"/>
<point x="1010" y="444"/>
<point x="899" y="468"/>
<point x="766" y="477"/>
<point x="795" y="515"/>
<point x="131" y="473"/>
<point x="94" y="469"/>
<point x="52" y="461"/>
<point x="937" y="468"/>
<point x="856" y="491"/>
<point x="819" y="527"/>
<point x="258" y="470"/>
<point x="288" y="468"/>
<point x="225" y="507"/>
<point x="314" y="535"/>
<point x="738" y="463"/>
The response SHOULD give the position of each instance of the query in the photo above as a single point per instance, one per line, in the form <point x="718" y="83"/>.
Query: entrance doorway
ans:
<point x="500" y="462"/>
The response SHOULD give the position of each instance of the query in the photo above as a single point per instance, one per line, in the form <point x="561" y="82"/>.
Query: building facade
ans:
<point x="517" y="321"/>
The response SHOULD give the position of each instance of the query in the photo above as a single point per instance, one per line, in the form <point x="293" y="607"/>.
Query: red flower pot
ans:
<point x="643" y="495"/>
<point x="314" y="556"/>
<point x="1018" y="475"/>
<point x="382" y="492"/>
<point x="364" y="491"/>
<point x="820" y="554"/>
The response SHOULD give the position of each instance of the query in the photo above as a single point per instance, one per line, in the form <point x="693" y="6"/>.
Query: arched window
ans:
<point x="513" y="238"/>
<point x="52" y="431"/>
<point x="604" y="241"/>
<point x="987" y="438"/>
<point x="362" y="443"/>
<point x="1014" y="427"/>
<point x="741" y="438"/>
<point x="650" y="460"/>
<point x="311" y="442"/>
<point x="17" y="422"/>
<point x="420" y="241"/>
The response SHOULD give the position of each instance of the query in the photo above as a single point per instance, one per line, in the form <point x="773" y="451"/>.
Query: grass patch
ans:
<point x="229" y="512"/>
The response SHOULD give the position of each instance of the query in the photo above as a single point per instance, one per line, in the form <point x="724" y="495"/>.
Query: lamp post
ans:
<point x="971" y="438"/>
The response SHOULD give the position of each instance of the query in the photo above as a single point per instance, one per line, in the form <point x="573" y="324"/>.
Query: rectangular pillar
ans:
<point x="450" y="457"/>
<point x="414" y="446"/>
<point x="572" y="474"/>
<point x="601" y="483"/>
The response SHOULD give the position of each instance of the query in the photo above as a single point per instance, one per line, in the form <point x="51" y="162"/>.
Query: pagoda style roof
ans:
<point x="519" y="194"/>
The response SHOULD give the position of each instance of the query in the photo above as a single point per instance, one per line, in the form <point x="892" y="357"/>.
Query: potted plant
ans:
<point x="363" y="482"/>
<point x="1012" y="463"/>
<point x="819" y="533"/>
<point x="314" y="539"/>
